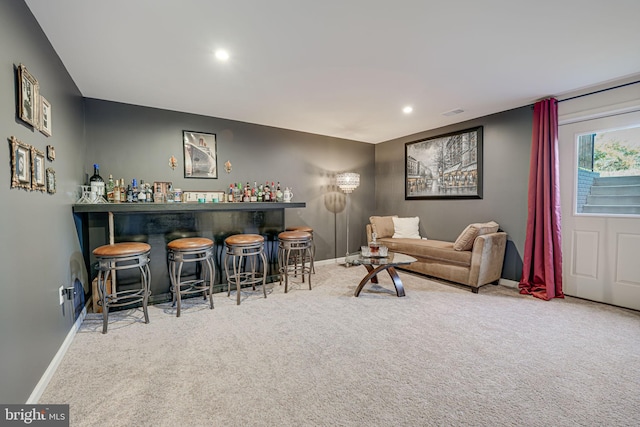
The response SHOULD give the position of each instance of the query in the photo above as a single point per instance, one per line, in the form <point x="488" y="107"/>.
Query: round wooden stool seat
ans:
<point x="190" y="244"/>
<point x="115" y="258"/>
<point x="187" y="250"/>
<point x="122" y="249"/>
<point x="294" y="235"/>
<point x="243" y="239"/>
<point x="294" y="250"/>
<point x="248" y="263"/>
<point x="300" y="228"/>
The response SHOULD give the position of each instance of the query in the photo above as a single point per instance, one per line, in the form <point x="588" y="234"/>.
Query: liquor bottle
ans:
<point x="142" y="192"/>
<point x="267" y="192"/>
<point x="97" y="184"/>
<point x="279" y="194"/>
<point x="116" y="191"/>
<point x="260" y="193"/>
<point x="237" y="193"/>
<point x="149" y="194"/>
<point x="110" y="189"/>
<point x="134" y="190"/>
<point x="254" y="192"/>
<point x="247" y="193"/>
<point x="123" y="191"/>
<point x="273" y="192"/>
<point x="129" y="194"/>
<point x="230" y="194"/>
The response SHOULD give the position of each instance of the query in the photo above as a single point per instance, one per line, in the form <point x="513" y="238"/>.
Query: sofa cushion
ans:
<point x="406" y="228"/>
<point x="465" y="240"/>
<point x="429" y="250"/>
<point x="382" y="225"/>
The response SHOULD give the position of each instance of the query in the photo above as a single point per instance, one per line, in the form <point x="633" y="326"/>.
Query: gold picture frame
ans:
<point x="20" y="164"/>
<point x="45" y="116"/>
<point x="38" y="182"/>
<point x="51" y="181"/>
<point x="28" y="97"/>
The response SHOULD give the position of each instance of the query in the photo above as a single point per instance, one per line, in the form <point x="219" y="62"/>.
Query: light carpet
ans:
<point x="441" y="356"/>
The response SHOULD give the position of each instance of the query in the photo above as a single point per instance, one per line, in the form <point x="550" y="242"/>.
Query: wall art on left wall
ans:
<point x="20" y="164"/>
<point x="28" y="97"/>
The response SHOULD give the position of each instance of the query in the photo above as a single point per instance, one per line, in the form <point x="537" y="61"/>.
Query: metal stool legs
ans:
<point x="204" y="285"/>
<point x="108" y="266"/>
<point x="239" y="254"/>
<point x="296" y="245"/>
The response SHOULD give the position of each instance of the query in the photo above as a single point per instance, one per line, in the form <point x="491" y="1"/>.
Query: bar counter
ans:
<point x="159" y="223"/>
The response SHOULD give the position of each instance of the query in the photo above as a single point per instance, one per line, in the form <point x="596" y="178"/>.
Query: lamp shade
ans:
<point x="348" y="181"/>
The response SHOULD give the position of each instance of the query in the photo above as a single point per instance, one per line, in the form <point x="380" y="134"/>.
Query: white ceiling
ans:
<point x="342" y="68"/>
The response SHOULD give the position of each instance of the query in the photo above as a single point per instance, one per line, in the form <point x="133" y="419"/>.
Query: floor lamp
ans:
<point x="347" y="182"/>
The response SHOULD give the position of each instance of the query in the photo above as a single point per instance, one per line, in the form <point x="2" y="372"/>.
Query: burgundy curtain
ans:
<point x="542" y="269"/>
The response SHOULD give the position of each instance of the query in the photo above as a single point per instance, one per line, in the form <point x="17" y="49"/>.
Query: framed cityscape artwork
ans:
<point x="447" y="166"/>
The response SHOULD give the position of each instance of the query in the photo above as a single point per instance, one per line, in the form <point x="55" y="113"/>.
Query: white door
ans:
<point x="601" y="252"/>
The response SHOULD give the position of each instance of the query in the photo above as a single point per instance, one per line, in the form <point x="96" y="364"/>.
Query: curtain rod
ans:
<point x="598" y="91"/>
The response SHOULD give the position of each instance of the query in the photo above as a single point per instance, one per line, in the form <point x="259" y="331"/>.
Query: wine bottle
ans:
<point x="97" y="184"/>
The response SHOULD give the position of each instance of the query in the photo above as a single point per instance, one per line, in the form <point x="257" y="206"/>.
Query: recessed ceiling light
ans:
<point x="222" y="54"/>
<point x="408" y="109"/>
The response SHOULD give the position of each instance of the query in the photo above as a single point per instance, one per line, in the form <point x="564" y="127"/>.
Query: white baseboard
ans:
<point x="508" y="283"/>
<point x="330" y="261"/>
<point x="55" y="362"/>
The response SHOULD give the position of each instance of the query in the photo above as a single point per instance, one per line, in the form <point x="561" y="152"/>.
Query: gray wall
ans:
<point x="39" y="250"/>
<point x="136" y="142"/>
<point x="507" y="145"/>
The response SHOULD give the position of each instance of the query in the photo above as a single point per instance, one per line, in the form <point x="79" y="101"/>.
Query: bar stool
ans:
<point x="298" y="245"/>
<point x="313" y="243"/>
<point x="191" y="250"/>
<point x="243" y="248"/>
<point x="122" y="256"/>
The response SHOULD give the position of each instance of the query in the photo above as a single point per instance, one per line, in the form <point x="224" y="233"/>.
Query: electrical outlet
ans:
<point x="61" y="294"/>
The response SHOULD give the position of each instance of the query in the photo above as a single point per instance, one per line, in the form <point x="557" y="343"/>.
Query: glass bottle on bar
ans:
<point x="266" y="192"/>
<point x="109" y="189"/>
<point x="97" y="185"/>
<point x="115" y="191"/>
<point x="142" y="192"/>
<point x="123" y="191"/>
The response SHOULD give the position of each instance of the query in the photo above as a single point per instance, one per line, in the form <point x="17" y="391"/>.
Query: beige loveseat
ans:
<point x="474" y="259"/>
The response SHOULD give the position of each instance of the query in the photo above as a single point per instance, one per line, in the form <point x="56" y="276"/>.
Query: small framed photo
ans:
<point x="38" y="182"/>
<point x="28" y="96"/>
<point x="51" y="181"/>
<point x="51" y="153"/>
<point x="20" y="164"/>
<point x="200" y="156"/>
<point x="45" y="116"/>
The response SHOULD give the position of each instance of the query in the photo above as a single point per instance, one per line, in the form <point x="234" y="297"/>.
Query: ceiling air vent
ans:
<point x="453" y="112"/>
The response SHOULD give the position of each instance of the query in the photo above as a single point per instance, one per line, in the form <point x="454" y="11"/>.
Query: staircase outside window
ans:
<point x="609" y="172"/>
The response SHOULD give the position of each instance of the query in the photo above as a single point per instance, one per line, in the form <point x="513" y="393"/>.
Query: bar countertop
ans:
<point x="183" y="207"/>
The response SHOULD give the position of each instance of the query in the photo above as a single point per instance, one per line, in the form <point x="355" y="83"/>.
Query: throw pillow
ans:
<point x="406" y="228"/>
<point x="382" y="226"/>
<point x="465" y="240"/>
